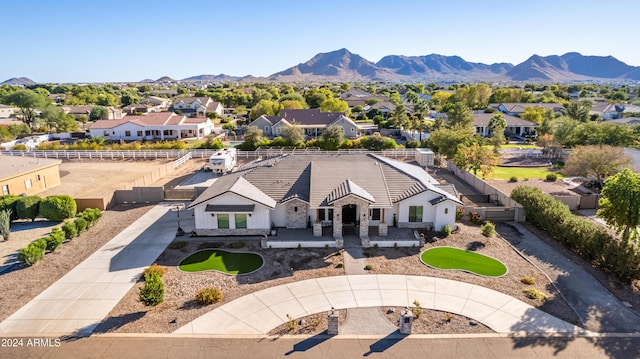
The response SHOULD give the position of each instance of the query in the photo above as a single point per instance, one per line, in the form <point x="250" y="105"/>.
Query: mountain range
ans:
<point x="345" y="66"/>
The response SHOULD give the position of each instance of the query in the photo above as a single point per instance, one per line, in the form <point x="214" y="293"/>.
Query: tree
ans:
<point x="399" y="117"/>
<point x="332" y="137"/>
<point x="476" y="158"/>
<point x="265" y="107"/>
<point x="66" y="123"/>
<point x="292" y="135"/>
<point x="579" y="111"/>
<point x="446" y="141"/>
<point x="27" y="101"/>
<point x="497" y="125"/>
<point x="620" y="204"/>
<point x="129" y="99"/>
<point x="334" y="105"/>
<point x="598" y="161"/>
<point x="459" y="115"/>
<point x="291" y="105"/>
<point x="99" y="113"/>
<point x="253" y="137"/>
<point x="533" y="114"/>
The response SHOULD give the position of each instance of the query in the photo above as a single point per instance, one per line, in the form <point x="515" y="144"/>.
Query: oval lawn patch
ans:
<point x="222" y="261"/>
<point x="458" y="259"/>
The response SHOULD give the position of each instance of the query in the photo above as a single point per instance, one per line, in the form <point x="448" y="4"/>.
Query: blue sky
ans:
<point x="118" y="40"/>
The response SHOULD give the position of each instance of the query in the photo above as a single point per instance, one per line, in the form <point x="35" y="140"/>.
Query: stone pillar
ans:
<point x="337" y="222"/>
<point x="406" y="320"/>
<point x="263" y="242"/>
<point x="364" y="221"/>
<point x="383" y="229"/>
<point x="339" y="243"/>
<point x="317" y="229"/>
<point x="333" y="319"/>
<point x="366" y="242"/>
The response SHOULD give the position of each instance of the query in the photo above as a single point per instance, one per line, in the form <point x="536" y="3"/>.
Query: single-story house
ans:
<point x="153" y="126"/>
<point x="85" y="110"/>
<point x="157" y="104"/>
<point x="6" y="111"/>
<point x="517" y="109"/>
<point x="515" y="125"/>
<point x="312" y="122"/>
<point x="196" y="106"/>
<point x="28" y="175"/>
<point x="337" y="191"/>
<point x="356" y="97"/>
<point x="611" y="111"/>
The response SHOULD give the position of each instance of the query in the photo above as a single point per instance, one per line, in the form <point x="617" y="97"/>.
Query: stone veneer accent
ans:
<point x="383" y="229"/>
<point x="317" y="229"/>
<point x="363" y="215"/>
<point x="296" y="219"/>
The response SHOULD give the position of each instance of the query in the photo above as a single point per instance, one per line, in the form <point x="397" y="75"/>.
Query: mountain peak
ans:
<point x="18" y="81"/>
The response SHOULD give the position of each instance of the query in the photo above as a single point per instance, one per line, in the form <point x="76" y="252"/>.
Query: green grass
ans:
<point x="222" y="261"/>
<point x="504" y="173"/>
<point x="458" y="259"/>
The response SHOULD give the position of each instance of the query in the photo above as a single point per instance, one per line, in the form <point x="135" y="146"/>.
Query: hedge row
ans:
<point x="586" y="238"/>
<point x="35" y="251"/>
<point x="55" y="208"/>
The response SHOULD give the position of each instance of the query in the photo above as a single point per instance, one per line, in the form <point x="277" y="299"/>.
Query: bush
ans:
<point x="528" y="280"/>
<point x="368" y="267"/>
<point x="535" y="294"/>
<point x="446" y="230"/>
<point x="8" y="203"/>
<point x="488" y="229"/>
<point x="81" y="224"/>
<point x="154" y="270"/>
<point x="152" y="292"/>
<point x="5" y="224"/>
<point x="238" y="244"/>
<point x="552" y="177"/>
<point x="90" y="215"/>
<point x="459" y="214"/>
<point x="586" y="238"/>
<point x="208" y="296"/>
<point x="54" y="239"/>
<point x="70" y="230"/>
<point x="513" y="179"/>
<point x="475" y="218"/>
<point x="28" y="207"/>
<point x="34" y="252"/>
<point x="58" y="208"/>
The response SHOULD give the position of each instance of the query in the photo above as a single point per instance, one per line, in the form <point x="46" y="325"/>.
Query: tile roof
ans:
<point x="190" y="100"/>
<point x="482" y="120"/>
<point x="310" y="116"/>
<point x="321" y="179"/>
<point x="151" y="119"/>
<point x="516" y="107"/>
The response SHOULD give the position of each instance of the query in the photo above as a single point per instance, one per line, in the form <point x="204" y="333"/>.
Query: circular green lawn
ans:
<point x="222" y="261"/>
<point x="458" y="259"/>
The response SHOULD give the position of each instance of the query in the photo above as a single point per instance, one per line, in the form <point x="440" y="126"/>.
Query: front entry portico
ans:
<point x="351" y="211"/>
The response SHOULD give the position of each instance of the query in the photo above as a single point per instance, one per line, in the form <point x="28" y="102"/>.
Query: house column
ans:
<point x="364" y="220"/>
<point x="337" y="222"/>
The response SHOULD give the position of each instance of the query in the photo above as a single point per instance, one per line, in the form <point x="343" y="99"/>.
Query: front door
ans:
<point x="349" y="214"/>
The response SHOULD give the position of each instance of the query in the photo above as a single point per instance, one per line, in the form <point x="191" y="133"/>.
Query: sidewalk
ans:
<point x="259" y="312"/>
<point x="83" y="297"/>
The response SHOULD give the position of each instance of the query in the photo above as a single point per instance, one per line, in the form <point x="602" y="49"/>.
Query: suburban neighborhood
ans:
<point x="480" y="204"/>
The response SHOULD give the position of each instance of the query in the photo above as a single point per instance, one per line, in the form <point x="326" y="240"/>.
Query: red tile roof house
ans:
<point x="153" y="126"/>
<point x="312" y="122"/>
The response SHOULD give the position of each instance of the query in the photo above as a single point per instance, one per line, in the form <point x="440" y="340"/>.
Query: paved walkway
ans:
<point x="259" y="312"/>
<point x="84" y="297"/>
<point x="597" y="307"/>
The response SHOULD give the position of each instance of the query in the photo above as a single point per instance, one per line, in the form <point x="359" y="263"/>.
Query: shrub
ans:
<point x="54" y="239"/>
<point x="28" y="207"/>
<point x="459" y="214"/>
<point x="5" y="224"/>
<point x="299" y="246"/>
<point x="81" y="224"/>
<point x="488" y="229"/>
<point x="446" y="230"/>
<point x="152" y="292"/>
<point x="8" y="202"/>
<point x="395" y="245"/>
<point x="208" y="296"/>
<point x="58" y="208"/>
<point x="177" y="245"/>
<point x="535" y="294"/>
<point x="475" y="218"/>
<point x="70" y="230"/>
<point x="34" y="252"/>
<point x="339" y="265"/>
<point x="513" y="179"/>
<point x="368" y="267"/>
<point x="154" y="270"/>
<point x="528" y="280"/>
<point x="238" y="244"/>
<point x="552" y="177"/>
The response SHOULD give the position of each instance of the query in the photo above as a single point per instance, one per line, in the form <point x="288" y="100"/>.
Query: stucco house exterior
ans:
<point x="196" y="106"/>
<point x="311" y="121"/>
<point x="517" y="109"/>
<point x="515" y="125"/>
<point x="314" y="191"/>
<point x="153" y="126"/>
<point x="28" y="175"/>
<point x="6" y="111"/>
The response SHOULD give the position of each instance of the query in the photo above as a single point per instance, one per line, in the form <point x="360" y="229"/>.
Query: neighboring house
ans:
<point x="515" y="125"/>
<point x="609" y="111"/>
<point x="137" y="108"/>
<point x="6" y="111"/>
<point x="28" y="175"/>
<point x="311" y="121"/>
<point x="292" y="191"/>
<point x="77" y="111"/>
<point x="517" y="109"/>
<point x="357" y="97"/>
<point x="386" y="107"/>
<point x="156" y="104"/>
<point x="197" y="106"/>
<point x="169" y="93"/>
<point x="153" y="126"/>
